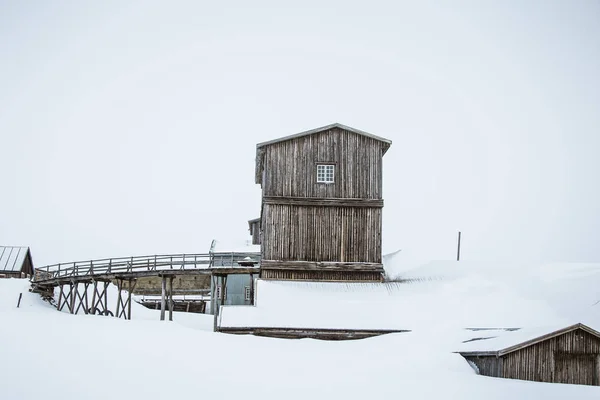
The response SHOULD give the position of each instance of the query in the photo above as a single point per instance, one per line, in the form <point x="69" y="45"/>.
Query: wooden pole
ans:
<point x="162" y="298"/>
<point x="91" y="310"/>
<point x="458" y="250"/>
<point x="171" y="298"/>
<point x="251" y="289"/>
<point x="19" y="302"/>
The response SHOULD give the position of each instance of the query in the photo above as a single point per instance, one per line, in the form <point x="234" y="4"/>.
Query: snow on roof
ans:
<point x="235" y="247"/>
<point x="440" y="295"/>
<point x="12" y="258"/>
<point x="503" y="342"/>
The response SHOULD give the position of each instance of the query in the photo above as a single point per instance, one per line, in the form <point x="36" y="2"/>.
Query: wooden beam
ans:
<point x="323" y="202"/>
<point x="314" y="265"/>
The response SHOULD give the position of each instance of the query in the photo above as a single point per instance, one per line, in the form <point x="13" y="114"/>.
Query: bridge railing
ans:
<point x="139" y="264"/>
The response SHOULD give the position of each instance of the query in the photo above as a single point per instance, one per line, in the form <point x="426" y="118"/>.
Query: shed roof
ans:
<point x="509" y="341"/>
<point x="12" y="258"/>
<point x="326" y="128"/>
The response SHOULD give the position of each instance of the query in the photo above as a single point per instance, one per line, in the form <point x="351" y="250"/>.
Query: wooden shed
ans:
<point x="567" y="355"/>
<point x="15" y="262"/>
<point x="322" y="205"/>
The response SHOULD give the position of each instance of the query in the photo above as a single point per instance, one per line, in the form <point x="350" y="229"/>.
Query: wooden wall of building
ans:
<point x="290" y="166"/>
<point x="314" y="222"/>
<point x="539" y="362"/>
<point x="330" y="233"/>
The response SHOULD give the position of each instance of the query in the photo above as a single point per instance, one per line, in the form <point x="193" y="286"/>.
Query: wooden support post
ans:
<point x="171" y="298"/>
<point x="251" y="289"/>
<point x="94" y="292"/>
<point x="106" y="310"/>
<point x="162" y="298"/>
<point x="223" y="281"/>
<point x="213" y="294"/>
<point x="73" y="298"/>
<point x="131" y="289"/>
<point x="214" y="304"/>
<point x="60" y="296"/>
<point x="85" y="297"/>
<point x="119" y="287"/>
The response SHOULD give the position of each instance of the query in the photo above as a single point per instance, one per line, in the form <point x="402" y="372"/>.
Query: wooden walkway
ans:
<point x="75" y="279"/>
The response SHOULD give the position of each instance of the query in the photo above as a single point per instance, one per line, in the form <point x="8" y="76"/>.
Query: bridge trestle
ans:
<point x="124" y="303"/>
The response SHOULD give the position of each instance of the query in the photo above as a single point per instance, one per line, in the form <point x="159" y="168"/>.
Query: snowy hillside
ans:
<point x="58" y="356"/>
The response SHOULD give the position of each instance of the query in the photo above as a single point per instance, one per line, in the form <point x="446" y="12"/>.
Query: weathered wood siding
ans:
<point x="571" y="352"/>
<point x="334" y="222"/>
<point x="302" y="275"/>
<point x="487" y="365"/>
<point x="343" y="234"/>
<point x="290" y="166"/>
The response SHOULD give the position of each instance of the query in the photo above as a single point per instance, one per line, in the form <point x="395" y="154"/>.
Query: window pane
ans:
<point x="325" y="173"/>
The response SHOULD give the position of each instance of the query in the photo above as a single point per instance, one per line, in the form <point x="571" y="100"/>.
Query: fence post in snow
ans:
<point x="458" y="251"/>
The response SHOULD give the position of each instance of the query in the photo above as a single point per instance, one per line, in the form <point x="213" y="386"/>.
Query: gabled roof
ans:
<point x="326" y="128"/>
<point x="14" y="259"/>
<point x="516" y="340"/>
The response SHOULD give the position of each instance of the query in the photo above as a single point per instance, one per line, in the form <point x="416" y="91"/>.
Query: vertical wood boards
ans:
<point x="538" y="363"/>
<point x="304" y="220"/>
<point x="310" y="233"/>
<point x="290" y="166"/>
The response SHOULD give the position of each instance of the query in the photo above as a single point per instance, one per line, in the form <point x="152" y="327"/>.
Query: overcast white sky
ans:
<point x="129" y="128"/>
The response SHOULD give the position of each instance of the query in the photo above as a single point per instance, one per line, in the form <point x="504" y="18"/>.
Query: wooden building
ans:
<point x="568" y="355"/>
<point x="15" y="262"/>
<point x="322" y="203"/>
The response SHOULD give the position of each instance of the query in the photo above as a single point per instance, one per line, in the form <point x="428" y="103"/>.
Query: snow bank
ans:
<point x="58" y="356"/>
<point x="437" y="296"/>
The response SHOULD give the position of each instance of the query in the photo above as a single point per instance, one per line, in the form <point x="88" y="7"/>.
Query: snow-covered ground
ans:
<point x="52" y="355"/>
<point x="437" y="296"/>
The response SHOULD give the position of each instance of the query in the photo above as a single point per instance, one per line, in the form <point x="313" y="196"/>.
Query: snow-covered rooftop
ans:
<point x="438" y="295"/>
<point x="504" y="341"/>
<point x="12" y="258"/>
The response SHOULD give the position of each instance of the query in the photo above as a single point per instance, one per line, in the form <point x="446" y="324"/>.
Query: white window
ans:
<point x="325" y="173"/>
<point x="247" y="294"/>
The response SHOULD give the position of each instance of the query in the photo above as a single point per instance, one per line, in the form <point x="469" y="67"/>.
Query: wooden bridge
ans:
<point x="75" y="279"/>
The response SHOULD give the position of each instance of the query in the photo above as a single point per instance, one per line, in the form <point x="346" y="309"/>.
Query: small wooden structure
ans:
<point x="15" y="262"/>
<point x="322" y="205"/>
<point x="568" y="355"/>
<point x="254" y="228"/>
